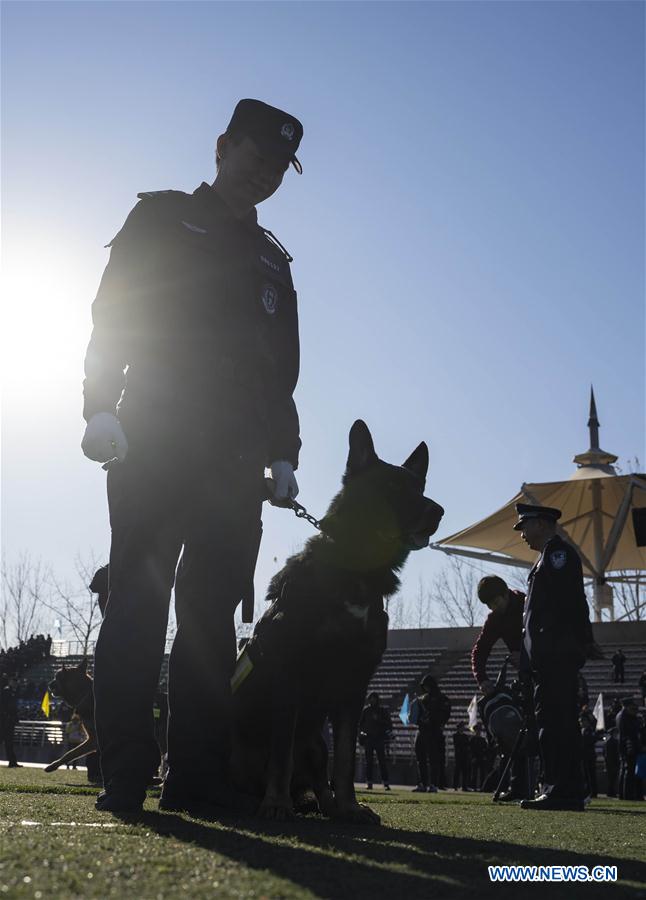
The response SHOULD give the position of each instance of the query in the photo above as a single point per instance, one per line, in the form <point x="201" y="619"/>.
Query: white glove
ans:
<point x="104" y="438"/>
<point x="282" y="474"/>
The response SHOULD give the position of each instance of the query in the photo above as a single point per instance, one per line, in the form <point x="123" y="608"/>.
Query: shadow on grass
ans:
<point x="335" y="861"/>
<point x="637" y="811"/>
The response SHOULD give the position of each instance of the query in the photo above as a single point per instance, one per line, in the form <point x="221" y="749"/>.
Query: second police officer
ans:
<point x="556" y="636"/>
<point x="197" y="303"/>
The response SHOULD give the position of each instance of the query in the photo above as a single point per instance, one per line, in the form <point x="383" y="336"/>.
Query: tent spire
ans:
<point x="593" y="422"/>
<point x="594" y="458"/>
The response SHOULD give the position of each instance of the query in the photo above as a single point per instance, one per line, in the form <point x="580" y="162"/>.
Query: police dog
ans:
<point x="314" y="650"/>
<point x="76" y="688"/>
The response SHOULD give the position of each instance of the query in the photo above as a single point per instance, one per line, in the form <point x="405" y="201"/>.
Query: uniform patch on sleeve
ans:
<point x="558" y="558"/>
<point x="269" y="298"/>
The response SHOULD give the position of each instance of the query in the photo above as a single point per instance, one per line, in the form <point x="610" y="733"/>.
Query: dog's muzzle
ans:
<point x="419" y="536"/>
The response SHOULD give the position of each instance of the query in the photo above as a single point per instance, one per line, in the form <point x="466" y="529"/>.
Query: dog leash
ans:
<point x="289" y="503"/>
<point x="301" y="513"/>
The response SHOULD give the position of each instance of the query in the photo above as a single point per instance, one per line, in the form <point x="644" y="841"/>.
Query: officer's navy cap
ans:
<point x="275" y="132"/>
<point x="529" y="511"/>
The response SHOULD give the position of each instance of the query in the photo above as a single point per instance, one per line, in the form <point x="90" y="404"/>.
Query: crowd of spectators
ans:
<point x="15" y="660"/>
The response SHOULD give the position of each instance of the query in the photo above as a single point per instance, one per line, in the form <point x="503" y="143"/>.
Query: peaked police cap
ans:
<point x="529" y="511"/>
<point x="276" y="133"/>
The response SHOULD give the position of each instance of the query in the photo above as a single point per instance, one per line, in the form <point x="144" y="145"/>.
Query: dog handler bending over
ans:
<point x="197" y="302"/>
<point x="504" y="622"/>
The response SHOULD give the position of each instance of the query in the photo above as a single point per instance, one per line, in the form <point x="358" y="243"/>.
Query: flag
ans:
<point x="598" y="713"/>
<point x="473" y="712"/>
<point x="44" y="705"/>
<point x="404" y="712"/>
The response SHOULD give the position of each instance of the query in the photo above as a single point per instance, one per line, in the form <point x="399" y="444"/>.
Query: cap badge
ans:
<point x="558" y="558"/>
<point x="287" y="131"/>
<point x="269" y="298"/>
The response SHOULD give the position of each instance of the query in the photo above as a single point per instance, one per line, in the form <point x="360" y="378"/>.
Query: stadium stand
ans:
<point x="444" y="652"/>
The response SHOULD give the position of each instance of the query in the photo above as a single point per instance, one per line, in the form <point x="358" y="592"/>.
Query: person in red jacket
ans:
<point x="504" y="623"/>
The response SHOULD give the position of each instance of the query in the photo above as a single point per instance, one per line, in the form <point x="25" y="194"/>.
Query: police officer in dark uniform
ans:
<point x="432" y="710"/>
<point x="628" y="728"/>
<point x="8" y="718"/>
<point x="556" y="633"/>
<point x="197" y="303"/>
<point x="375" y="729"/>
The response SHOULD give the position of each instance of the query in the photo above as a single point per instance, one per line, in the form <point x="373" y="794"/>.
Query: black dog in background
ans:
<point x="313" y="652"/>
<point x="76" y="688"/>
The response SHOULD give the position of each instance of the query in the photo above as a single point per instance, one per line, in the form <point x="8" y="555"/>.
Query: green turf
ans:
<point x="53" y="843"/>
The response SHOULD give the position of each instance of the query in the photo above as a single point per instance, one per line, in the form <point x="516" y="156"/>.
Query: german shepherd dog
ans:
<point x="76" y="688"/>
<point x="315" y="649"/>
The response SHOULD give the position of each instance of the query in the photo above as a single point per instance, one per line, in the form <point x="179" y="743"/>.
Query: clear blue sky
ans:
<point x="468" y="233"/>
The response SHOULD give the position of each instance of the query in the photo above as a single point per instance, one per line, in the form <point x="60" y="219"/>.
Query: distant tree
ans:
<point x="396" y="612"/>
<point x="630" y="602"/>
<point x="23" y="587"/>
<point x="75" y="605"/>
<point x="454" y="593"/>
<point x="422" y="606"/>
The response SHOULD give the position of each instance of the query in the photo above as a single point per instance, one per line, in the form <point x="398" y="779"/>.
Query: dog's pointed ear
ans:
<point x="362" y="450"/>
<point x="417" y="462"/>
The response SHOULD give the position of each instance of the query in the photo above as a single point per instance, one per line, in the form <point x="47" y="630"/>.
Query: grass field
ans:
<point x="53" y="843"/>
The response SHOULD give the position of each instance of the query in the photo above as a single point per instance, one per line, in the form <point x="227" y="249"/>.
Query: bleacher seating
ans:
<point x="401" y="669"/>
<point x="459" y="685"/>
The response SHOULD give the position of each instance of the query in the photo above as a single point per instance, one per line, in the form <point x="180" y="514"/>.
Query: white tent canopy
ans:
<point x="596" y="505"/>
<point x="575" y="498"/>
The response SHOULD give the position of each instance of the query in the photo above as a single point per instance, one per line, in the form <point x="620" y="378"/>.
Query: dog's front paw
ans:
<point x="279" y="809"/>
<point x="356" y="813"/>
<point x="51" y="767"/>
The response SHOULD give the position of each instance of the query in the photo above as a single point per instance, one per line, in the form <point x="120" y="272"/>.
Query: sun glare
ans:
<point x="45" y="323"/>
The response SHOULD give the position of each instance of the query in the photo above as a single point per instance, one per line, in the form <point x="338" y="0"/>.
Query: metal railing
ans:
<point x="39" y="734"/>
<point x="61" y="649"/>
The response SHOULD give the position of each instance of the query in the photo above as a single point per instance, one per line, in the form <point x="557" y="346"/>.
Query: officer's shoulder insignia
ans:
<point x="192" y="227"/>
<point x="558" y="558"/>
<point x="146" y="195"/>
<point x="271" y="238"/>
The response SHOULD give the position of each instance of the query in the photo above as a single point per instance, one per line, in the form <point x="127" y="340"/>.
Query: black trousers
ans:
<point x="6" y="736"/>
<point x="630" y="786"/>
<point x="479" y="772"/>
<point x="372" y="746"/>
<point x="590" y="774"/>
<point x="559" y="736"/>
<point x="208" y="503"/>
<point x="612" y="775"/>
<point x="429" y="753"/>
<point x="461" y="771"/>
